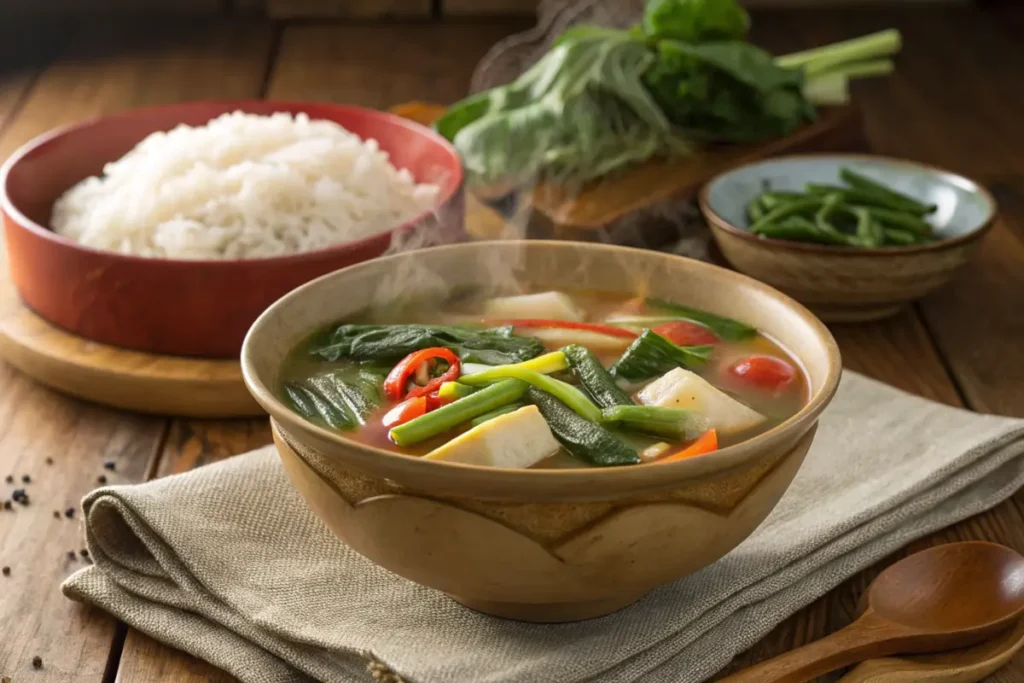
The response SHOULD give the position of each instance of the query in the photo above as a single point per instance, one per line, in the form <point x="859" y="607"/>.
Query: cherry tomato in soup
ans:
<point x="764" y="372"/>
<point x="684" y="333"/>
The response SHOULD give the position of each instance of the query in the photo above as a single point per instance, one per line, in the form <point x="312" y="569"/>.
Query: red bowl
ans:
<point x="183" y="307"/>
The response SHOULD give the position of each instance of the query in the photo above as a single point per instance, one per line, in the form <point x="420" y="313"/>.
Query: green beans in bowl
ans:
<point x="853" y="237"/>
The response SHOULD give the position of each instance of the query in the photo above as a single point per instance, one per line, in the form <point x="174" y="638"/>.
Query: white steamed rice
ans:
<point x="242" y="186"/>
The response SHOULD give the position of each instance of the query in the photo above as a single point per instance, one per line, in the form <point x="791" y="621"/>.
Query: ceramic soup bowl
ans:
<point x="842" y="284"/>
<point x="539" y="545"/>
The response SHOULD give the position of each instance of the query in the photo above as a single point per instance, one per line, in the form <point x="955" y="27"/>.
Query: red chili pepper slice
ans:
<point x="683" y="333"/>
<point x="766" y="372"/>
<point x="398" y="378"/>
<point x="571" y="325"/>
<point x="412" y="408"/>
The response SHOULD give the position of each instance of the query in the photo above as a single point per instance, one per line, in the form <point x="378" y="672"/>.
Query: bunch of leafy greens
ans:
<point x="580" y="112"/>
<point x="603" y="99"/>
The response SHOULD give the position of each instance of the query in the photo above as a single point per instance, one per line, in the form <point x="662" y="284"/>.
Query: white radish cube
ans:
<point x="545" y="306"/>
<point x="514" y="440"/>
<point x="681" y="388"/>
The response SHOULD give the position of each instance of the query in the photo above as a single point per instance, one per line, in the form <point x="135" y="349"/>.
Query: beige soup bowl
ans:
<point x="538" y="545"/>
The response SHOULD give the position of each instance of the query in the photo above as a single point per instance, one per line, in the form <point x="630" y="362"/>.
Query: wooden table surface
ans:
<point x="955" y="101"/>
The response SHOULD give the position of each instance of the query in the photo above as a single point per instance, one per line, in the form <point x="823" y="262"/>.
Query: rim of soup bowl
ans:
<point x="950" y="177"/>
<point x="484" y="482"/>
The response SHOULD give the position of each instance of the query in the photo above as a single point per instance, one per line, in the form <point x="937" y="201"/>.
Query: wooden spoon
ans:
<point x="956" y="666"/>
<point x="946" y="597"/>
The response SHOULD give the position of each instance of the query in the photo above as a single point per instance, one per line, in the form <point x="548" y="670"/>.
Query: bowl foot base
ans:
<point x="550" y="612"/>
<point x="833" y="313"/>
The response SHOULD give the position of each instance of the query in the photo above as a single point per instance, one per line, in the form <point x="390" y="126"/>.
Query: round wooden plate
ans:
<point x="164" y="385"/>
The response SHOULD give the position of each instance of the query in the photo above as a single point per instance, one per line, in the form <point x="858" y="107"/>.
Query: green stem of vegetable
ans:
<point x="872" y="46"/>
<point x="487" y="417"/>
<point x="454" y="414"/>
<point x="566" y="393"/>
<point x="671" y="422"/>
<point x="592" y="375"/>
<point x="547" y="364"/>
<point x="828" y="69"/>
<point x="800" y="229"/>
<point x="455" y="390"/>
<point x="871" y="67"/>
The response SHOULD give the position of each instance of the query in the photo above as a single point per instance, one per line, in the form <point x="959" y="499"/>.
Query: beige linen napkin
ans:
<point x="227" y="563"/>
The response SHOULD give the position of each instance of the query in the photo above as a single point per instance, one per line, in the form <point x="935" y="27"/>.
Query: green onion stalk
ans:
<point x="828" y="69"/>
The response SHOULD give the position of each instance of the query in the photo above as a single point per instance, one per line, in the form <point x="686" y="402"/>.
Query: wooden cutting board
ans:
<point x="595" y="212"/>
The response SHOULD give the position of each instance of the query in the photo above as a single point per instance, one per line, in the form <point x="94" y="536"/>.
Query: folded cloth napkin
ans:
<point x="228" y="563"/>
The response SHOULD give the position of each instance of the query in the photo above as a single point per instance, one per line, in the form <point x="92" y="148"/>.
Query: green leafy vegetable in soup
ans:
<point x="608" y="381"/>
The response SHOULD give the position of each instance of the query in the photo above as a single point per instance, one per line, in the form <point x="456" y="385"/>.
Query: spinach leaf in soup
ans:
<point x="492" y="346"/>
<point x="652" y="355"/>
<point x="341" y="398"/>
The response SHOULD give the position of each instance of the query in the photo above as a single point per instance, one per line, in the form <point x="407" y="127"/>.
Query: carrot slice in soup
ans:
<point x="705" y="443"/>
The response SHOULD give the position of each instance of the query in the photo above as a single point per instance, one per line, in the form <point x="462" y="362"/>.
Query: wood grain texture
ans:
<point x="145" y="660"/>
<point x="961" y="666"/>
<point x="120" y="378"/>
<point x="479" y="8"/>
<point x="345" y="63"/>
<point x="61" y="445"/>
<point x="35" y="423"/>
<point x="93" y="78"/>
<point x="376" y="9"/>
<point x="947" y="597"/>
<point x="53" y="8"/>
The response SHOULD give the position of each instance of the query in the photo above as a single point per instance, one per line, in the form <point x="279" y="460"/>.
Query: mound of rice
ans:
<point x="242" y="186"/>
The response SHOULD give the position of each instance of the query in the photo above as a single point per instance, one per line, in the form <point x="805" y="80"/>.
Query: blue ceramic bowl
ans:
<point x="844" y="283"/>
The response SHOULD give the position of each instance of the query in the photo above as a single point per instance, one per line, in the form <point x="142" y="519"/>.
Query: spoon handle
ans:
<point x="866" y="638"/>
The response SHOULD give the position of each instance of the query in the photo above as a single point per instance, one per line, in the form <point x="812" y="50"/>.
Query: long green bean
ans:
<point x="784" y="210"/>
<point x="864" y="183"/>
<point x="566" y="393"/>
<point x="898" y="220"/>
<point x="452" y="415"/>
<point x="487" y="417"/>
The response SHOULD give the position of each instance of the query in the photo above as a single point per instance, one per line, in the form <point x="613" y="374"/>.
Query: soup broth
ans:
<point x="589" y="379"/>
